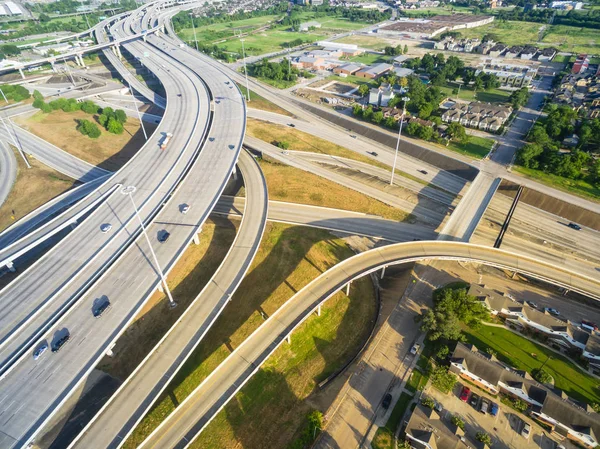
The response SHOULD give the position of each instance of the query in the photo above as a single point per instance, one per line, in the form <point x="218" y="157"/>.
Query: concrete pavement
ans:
<point x="8" y="170"/>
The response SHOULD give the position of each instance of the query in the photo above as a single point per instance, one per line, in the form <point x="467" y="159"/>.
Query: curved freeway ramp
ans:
<point x="126" y="408"/>
<point x="199" y="408"/>
<point x="8" y="170"/>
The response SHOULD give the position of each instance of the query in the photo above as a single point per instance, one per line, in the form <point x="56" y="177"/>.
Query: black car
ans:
<point x="372" y="153"/>
<point x="291" y="125"/>
<point x="387" y="400"/>
<point x="574" y="226"/>
<point x="163" y="236"/>
<point x="474" y="400"/>
<point x="422" y="171"/>
<point x="60" y="342"/>
<point x="101" y="308"/>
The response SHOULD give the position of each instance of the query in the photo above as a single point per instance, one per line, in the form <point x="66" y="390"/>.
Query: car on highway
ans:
<point x="353" y="136"/>
<point x="185" y="208"/>
<point x="494" y="409"/>
<point x="415" y="348"/>
<point x="163" y="236"/>
<point x="106" y="227"/>
<point x="484" y="406"/>
<point x="372" y="153"/>
<point x="291" y="125"/>
<point x="58" y="344"/>
<point x="574" y="226"/>
<point x="532" y="304"/>
<point x="101" y="305"/>
<point x="387" y="400"/>
<point x="526" y="431"/>
<point x="40" y="350"/>
<point x="552" y="311"/>
<point x="425" y="172"/>
<point x="464" y="394"/>
<point x="474" y="400"/>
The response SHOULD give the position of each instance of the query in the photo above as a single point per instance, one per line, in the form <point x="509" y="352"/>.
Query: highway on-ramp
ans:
<point x="8" y="170"/>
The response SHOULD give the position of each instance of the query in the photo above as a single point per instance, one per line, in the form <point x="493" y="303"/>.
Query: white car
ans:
<point x="415" y="349"/>
<point x="185" y="208"/>
<point x="106" y="227"/>
<point x="526" y="431"/>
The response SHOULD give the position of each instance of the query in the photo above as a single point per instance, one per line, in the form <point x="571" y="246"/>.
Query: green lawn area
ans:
<point x="417" y="381"/>
<point x="562" y="37"/>
<point x="270" y="410"/>
<point x="357" y="80"/>
<point x="383" y="439"/>
<point x="485" y="96"/>
<point x="522" y="353"/>
<point x="369" y="58"/>
<point x="477" y="147"/>
<point x="577" y="187"/>
<point x="258" y="102"/>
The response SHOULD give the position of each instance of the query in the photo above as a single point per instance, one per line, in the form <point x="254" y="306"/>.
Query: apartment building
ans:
<point x="478" y="115"/>
<point x="509" y="75"/>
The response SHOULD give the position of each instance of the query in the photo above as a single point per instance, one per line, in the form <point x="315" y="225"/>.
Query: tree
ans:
<point x="89" y="129"/>
<point x="357" y="110"/>
<point x="442" y="379"/>
<point x="519" y="97"/>
<point x="102" y="119"/>
<point x="456" y="131"/>
<point x="368" y="113"/>
<point x="413" y="128"/>
<point x="458" y="421"/>
<point x="89" y="107"/>
<point x="484" y="438"/>
<point x="541" y="375"/>
<point x="478" y="84"/>
<point x="527" y="155"/>
<point x="425" y="132"/>
<point x="120" y="116"/>
<point x="442" y="353"/>
<point x="405" y="49"/>
<point x="425" y="111"/>
<point x="37" y="96"/>
<point x="519" y="404"/>
<point x="378" y="117"/>
<point x="428" y="402"/>
<point x="363" y="90"/>
<point x="114" y="126"/>
<point x="38" y="103"/>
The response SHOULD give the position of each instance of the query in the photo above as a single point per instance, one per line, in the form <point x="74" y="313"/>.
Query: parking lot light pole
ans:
<point x="13" y="138"/>
<point x="129" y="192"/>
<point x="405" y="99"/>
<point x="194" y="28"/>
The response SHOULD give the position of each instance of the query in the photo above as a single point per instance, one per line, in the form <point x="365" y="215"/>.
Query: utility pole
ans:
<point x="19" y="149"/>
<point x="245" y="70"/>
<point x="129" y="192"/>
<point x="405" y="99"/>
<point x="138" y="113"/>
<point x="194" y="28"/>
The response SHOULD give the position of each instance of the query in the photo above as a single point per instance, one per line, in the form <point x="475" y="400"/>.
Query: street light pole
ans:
<point x="405" y="99"/>
<point x="69" y="71"/>
<point x="19" y="149"/>
<point x="194" y="28"/>
<point x="245" y="70"/>
<point x="138" y="113"/>
<point x="129" y="192"/>
<point x="3" y="96"/>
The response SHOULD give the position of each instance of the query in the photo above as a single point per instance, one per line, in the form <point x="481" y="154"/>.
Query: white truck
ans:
<point x="165" y="141"/>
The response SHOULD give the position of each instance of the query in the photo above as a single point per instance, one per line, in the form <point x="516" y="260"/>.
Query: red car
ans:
<point x="464" y="394"/>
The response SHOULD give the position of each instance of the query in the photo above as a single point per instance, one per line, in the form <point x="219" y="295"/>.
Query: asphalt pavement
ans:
<point x="8" y="170"/>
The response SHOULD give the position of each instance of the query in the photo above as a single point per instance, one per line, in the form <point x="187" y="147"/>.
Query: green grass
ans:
<point x="258" y="102"/>
<point x="383" y="439"/>
<point x="578" y="187"/>
<point x="522" y="353"/>
<point x="485" y="96"/>
<point x="417" y="381"/>
<point x="270" y="410"/>
<point x="396" y="416"/>
<point x="369" y="58"/>
<point x="477" y="147"/>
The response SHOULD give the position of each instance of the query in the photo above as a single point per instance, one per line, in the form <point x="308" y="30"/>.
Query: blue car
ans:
<point x="494" y="409"/>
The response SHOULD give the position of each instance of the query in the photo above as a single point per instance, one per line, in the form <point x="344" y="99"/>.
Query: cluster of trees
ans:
<point x="9" y="50"/>
<point x="519" y="97"/>
<point x="61" y="6"/>
<point x="370" y="115"/>
<point x="484" y="438"/>
<point x="451" y="307"/>
<point x="112" y="120"/>
<point x="442" y="379"/>
<point x="213" y="50"/>
<point x="363" y="15"/>
<point x="277" y="71"/>
<point x="313" y="427"/>
<point x="75" y="25"/>
<point x="544" y="141"/>
<point x="439" y="69"/>
<point x="16" y="93"/>
<point x="395" y="51"/>
<point x="577" y="19"/>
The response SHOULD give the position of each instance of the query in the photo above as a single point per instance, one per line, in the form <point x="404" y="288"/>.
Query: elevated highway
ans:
<point x="184" y="424"/>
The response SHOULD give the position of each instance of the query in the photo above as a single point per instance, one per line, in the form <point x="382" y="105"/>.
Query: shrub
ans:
<point x="114" y="126"/>
<point x="541" y="375"/>
<point x="120" y="116"/>
<point x="89" y="129"/>
<point x="311" y="430"/>
<point x="102" y="119"/>
<point x="484" y="438"/>
<point x="428" y="402"/>
<point x="89" y="107"/>
<point x="442" y="379"/>
<point x="38" y="103"/>
<point x="458" y="421"/>
<point x="283" y="144"/>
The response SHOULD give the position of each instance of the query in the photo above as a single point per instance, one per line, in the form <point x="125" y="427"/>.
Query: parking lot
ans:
<point x="505" y="428"/>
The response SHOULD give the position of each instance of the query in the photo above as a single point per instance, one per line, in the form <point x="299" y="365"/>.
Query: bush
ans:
<point x="45" y="108"/>
<point x="541" y="375"/>
<point x="428" y="402"/>
<point x="103" y="119"/>
<point x="38" y="103"/>
<point x="484" y="438"/>
<point x="442" y="379"/>
<point x="114" y="126"/>
<point x="311" y="430"/>
<point x="120" y="116"/>
<point x="458" y="421"/>
<point x="89" y="129"/>
<point x="89" y="107"/>
<point x="283" y="144"/>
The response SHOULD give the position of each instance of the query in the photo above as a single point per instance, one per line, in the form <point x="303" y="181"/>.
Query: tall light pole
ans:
<point x="194" y="28"/>
<point x="3" y="96"/>
<point x="138" y="113"/>
<point x="405" y="99"/>
<point x="19" y="149"/>
<point x="245" y="70"/>
<point x="129" y="192"/>
<point x="69" y="71"/>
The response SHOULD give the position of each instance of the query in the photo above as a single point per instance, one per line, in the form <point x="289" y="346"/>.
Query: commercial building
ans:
<point x="566" y="5"/>
<point x="374" y="71"/>
<point x="347" y="69"/>
<point x="581" y="64"/>
<point x="509" y="75"/>
<point x="305" y="26"/>
<point x="428" y="28"/>
<point x="551" y="407"/>
<point x="13" y="9"/>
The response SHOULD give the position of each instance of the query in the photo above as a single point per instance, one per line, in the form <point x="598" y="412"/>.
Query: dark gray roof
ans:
<point x="568" y="413"/>
<point x="593" y="344"/>
<point x="425" y="424"/>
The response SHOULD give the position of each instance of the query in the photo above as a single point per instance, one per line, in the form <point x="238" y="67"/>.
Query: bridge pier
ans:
<point x="160" y="287"/>
<point x="348" y="288"/>
<point x="11" y="267"/>
<point x="319" y="310"/>
<point x="382" y="272"/>
<point x="234" y="173"/>
<point x="289" y="339"/>
<point x="109" y="351"/>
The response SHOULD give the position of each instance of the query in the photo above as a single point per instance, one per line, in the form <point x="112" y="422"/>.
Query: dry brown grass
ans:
<point x="32" y="188"/>
<point x="291" y="184"/>
<point x="109" y="151"/>
<point x="272" y="406"/>
<point x="186" y="280"/>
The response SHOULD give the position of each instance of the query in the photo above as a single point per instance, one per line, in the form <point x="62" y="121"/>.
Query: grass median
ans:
<point x="271" y="409"/>
<point x="578" y="187"/>
<point x="258" y="102"/>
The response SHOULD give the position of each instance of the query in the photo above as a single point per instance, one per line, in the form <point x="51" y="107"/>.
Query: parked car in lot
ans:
<point x="526" y="431"/>
<point x="464" y="394"/>
<point x="551" y="311"/>
<point x="387" y="400"/>
<point x="40" y="350"/>
<point x="415" y="348"/>
<point x="484" y="407"/>
<point x="574" y="226"/>
<point x="494" y="409"/>
<point x="474" y="400"/>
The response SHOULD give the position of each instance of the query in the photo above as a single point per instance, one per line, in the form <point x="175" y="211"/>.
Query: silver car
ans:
<point x="40" y="350"/>
<point x="106" y="227"/>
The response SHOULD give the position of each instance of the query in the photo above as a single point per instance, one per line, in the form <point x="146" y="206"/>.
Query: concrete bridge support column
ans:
<point x="11" y="267"/>
<point x="235" y="173"/>
<point x="74" y="225"/>
<point x="319" y="310"/>
<point x="348" y="288"/>
<point x="382" y="272"/>
<point x="289" y="339"/>
<point x="196" y="239"/>
<point x="160" y="287"/>
<point x="118" y="52"/>
<point x="109" y="351"/>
